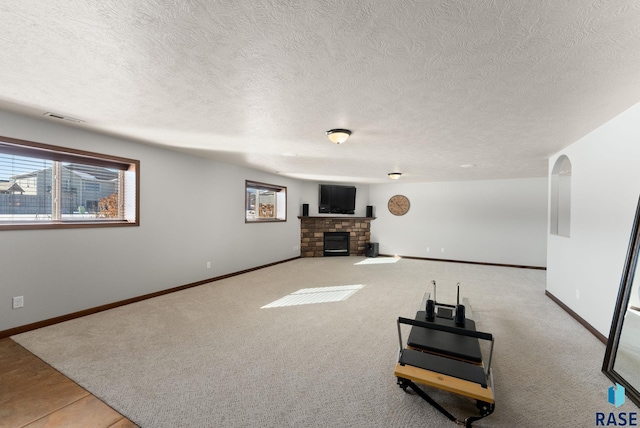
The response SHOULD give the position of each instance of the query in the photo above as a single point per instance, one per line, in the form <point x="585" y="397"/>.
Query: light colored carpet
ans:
<point x="210" y="357"/>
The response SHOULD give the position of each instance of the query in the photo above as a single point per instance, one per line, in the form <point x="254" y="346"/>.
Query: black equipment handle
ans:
<point x="446" y="328"/>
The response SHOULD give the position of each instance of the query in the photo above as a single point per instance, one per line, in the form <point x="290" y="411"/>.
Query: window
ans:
<point x="265" y="202"/>
<point x="44" y="186"/>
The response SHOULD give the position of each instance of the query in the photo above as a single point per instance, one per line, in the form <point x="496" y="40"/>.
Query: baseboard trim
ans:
<point x="62" y="318"/>
<point x="577" y="317"/>
<point x="466" y="262"/>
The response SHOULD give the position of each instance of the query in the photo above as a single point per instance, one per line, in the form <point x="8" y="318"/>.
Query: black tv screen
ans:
<point x="336" y="199"/>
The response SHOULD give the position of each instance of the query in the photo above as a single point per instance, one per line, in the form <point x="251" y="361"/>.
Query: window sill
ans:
<point x="266" y="220"/>
<point x="67" y="225"/>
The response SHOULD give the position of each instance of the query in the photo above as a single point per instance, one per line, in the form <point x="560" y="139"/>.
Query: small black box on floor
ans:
<point x="371" y="249"/>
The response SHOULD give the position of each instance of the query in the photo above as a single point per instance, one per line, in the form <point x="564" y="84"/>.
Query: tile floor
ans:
<point x="34" y="394"/>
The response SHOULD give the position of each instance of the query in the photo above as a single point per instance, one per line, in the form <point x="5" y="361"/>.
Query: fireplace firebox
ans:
<point x="336" y="243"/>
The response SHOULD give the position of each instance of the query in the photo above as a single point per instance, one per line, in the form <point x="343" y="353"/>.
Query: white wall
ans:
<point x="192" y="211"/>
<point x="493" y="221"/>
<point x="584" y="270"/>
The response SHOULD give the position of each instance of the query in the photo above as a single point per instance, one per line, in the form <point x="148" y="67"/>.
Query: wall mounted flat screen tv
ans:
<point x="337" y="199"/>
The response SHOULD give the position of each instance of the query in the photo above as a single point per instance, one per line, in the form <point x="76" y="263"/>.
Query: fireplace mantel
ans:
<point x="312" y="233"/>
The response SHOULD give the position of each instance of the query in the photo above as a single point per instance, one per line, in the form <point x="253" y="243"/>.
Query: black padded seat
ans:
<point x="443" y="365"/>
<point x="443" y="343"/>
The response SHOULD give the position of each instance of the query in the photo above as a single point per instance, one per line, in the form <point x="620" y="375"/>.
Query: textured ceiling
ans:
<point x="425" y="86"/>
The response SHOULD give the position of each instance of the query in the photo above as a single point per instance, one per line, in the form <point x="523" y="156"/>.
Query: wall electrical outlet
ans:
<point x="18" y="302"/>
<point x="428" y="249"/>
<point x="442" y="250"/>
<point x="577" y="294"/>
<point x="208" y="265"/>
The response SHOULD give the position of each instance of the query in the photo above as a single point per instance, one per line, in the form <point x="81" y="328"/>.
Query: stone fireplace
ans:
<point x="312" y="234"/>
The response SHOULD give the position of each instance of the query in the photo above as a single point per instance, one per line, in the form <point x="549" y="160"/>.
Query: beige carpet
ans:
<point x="211" y="357"/>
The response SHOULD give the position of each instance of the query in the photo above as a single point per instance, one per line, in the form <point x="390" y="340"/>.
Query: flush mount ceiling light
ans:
<point x="394" y="175"/>
<point x="338" y="136"/>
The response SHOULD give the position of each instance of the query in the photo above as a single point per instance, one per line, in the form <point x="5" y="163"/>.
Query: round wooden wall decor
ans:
<point x="398" y="205"/>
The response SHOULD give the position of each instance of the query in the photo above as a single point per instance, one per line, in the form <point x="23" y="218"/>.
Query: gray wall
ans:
<point x="584" y="270"/>
<point x="63" y="271"/>
<point x="493" y="221"/>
